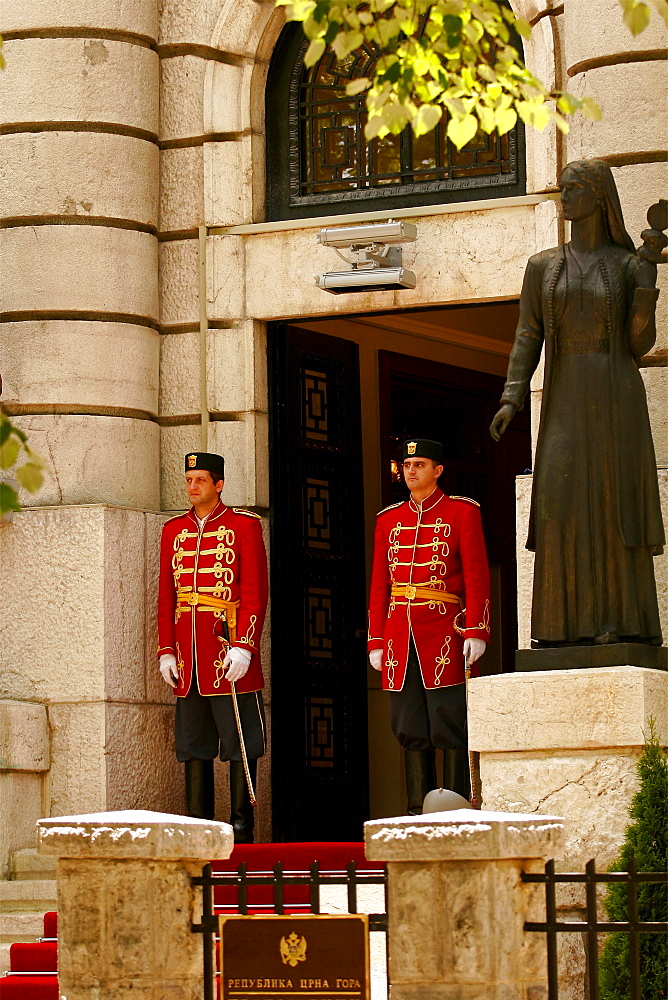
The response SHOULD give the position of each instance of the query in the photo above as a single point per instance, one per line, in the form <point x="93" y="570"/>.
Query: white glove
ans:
<point x="236" y="664"/>
<point x="168" y="669"/>
<point x="473" y="649"/>
<point x="376" y="659"/>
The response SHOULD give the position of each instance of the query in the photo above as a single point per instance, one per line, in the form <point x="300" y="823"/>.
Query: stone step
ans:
<point x="21" y="927"/>
<point x="28" y="864"/>
<point x="28" y="895"/>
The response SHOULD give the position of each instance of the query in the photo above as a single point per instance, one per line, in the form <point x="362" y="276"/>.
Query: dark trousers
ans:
<point x="205" y="727"/>
<point x="424" y="720"/>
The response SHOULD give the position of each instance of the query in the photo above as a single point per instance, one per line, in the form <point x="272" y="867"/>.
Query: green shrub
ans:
<point x="646" y="840"/>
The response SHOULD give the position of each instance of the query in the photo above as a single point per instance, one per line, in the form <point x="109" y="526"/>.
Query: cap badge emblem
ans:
<point x="192" y="461"/>
<point x="412" y="445"/>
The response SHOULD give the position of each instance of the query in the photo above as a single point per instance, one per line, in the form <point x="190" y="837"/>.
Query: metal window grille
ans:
<point x="592" y="926"/>
<point x="315" y="879"/>
<point x="330" y="159"/>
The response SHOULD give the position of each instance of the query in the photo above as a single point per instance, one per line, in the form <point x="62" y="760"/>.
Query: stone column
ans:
<point x="80" y="365"/>
<point x="79" y="101"/>
<point x="126" y="903"/>
<point x="457" y="904"/>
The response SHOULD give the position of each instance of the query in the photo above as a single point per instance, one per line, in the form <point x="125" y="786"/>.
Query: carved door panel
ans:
<point x="319" y="716"/>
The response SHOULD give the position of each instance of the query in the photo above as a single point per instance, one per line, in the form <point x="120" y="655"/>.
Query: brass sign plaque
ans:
<point x="286" y="958"/>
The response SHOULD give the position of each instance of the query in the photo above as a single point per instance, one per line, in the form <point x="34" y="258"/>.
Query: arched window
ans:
<point x="319" y="163"/>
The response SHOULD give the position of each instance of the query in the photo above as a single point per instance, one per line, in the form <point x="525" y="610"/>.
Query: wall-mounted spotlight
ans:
<point x="376" y="257"/>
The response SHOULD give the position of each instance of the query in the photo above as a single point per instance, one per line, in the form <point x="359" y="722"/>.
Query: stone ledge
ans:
<point x="134" y="833"/>
<point x="464" y="835"/>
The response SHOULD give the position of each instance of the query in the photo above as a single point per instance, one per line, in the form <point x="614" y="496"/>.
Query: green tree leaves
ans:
<point x="30" y="474"/>
<point x="637" y="13"/>
<point x="646" y="841"/>
<point x="444" y="56"/>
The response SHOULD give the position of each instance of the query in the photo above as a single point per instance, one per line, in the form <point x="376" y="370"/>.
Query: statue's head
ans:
<point x="587" y="187"/>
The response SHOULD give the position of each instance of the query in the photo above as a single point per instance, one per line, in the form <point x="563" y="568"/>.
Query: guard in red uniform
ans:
<point x="428" y="609"/>
<point x="211" y="607"/>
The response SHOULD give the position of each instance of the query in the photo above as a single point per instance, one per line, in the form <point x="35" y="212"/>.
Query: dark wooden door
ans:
<point x="318" y="615"/>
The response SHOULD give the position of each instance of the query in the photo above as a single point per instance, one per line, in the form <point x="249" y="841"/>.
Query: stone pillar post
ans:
<point x="125" y="902"/>
<point x="457" y="904"/>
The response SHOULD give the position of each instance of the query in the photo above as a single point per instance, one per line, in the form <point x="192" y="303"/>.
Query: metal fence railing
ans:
<point x="592" y="927"/>
<point x="286" y="898"/>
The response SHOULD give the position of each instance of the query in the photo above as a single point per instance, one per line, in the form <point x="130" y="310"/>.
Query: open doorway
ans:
<point x="344" y="393"/>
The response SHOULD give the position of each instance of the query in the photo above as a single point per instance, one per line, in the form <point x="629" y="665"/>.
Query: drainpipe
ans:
<point x="204" y="406"/>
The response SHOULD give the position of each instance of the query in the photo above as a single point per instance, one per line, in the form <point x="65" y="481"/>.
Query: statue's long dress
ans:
<point x="595" y="519"/>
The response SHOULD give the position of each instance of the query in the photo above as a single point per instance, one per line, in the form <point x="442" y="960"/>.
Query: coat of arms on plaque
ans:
<point x="293" y="949"/>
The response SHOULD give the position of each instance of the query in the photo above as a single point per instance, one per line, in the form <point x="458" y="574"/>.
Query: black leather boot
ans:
<point x="242" y="813"/>
<point x="420" y="777"/>
<point x="199" y="789"/>
<point x="456" y="772"/>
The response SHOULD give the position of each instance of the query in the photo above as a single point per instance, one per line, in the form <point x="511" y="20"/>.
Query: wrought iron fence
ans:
<point x="315" y="880"/>
<point x="592" y="926"/>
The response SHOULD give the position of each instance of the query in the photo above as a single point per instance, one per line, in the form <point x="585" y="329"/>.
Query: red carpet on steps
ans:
<point x="42" y="957"/>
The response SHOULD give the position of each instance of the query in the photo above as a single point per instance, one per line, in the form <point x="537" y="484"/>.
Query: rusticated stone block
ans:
<point x="566" y="709"/>
<point x="58" y="173"/>
<point x="137" y="16"/>
<point x="242" y="27"/>
<point x="234" y="189"/>
<point x="236" y="371"/>
<point x="181" y="188"/>
<point x="21" y="795"/>
<point x="94" y="459"/>
<point x="78" y="767"/>
<point x="596" y="28"/>
<point x="81" y="363"/>
<point x="656" y="386"/>
<point x="142" y="771"/>
<point x="591" y="789"/>
<point x="89" y="80"/>
<point x="525" y="561"/>
<point x="179" y="282"/>
<point x="24" y="737"/>
<point x="619" y="132"/>
<point x="226" y="278"/>
<point x="182" y="97"/>
<point x="228" y="110"/>
<point x="80" y="269"/>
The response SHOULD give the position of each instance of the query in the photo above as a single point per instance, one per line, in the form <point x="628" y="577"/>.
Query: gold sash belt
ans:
<point x="194" y="599"/>
<point x="413" y="593"/>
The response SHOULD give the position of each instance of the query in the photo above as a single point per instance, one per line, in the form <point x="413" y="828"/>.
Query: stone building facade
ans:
<point x="125" y="128"/>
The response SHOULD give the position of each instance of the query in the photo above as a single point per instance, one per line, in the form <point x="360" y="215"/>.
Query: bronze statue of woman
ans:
<point x="595" y="517"/>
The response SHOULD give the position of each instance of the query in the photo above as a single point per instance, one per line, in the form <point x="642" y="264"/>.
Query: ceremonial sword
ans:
<point x="237" y="717"/>
<point x="474" y="790"/>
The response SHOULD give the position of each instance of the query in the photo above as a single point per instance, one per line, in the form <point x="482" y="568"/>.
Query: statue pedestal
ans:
<point x="566" y="743"/>
<point x="613" y="654"/>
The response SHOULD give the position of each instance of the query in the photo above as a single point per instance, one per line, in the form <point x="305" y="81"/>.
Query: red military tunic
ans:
<point x="207" y="574"/>
<point x="420" y="551"/>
